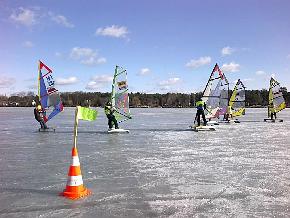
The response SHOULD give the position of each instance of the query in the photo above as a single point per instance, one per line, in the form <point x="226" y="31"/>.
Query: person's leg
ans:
<point x="109" y="121"/>
<point x="41" y="124"/>
<point x="198" y="118"/>
<point x="203" y="117"/>
<point x="271" y="116"/>
<point x="275" y="115"/>
<point x="44" y="125"/>
<point x="115" y="122"/>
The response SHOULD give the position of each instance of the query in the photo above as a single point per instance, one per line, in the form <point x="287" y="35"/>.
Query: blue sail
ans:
<point x="48" y="94"/>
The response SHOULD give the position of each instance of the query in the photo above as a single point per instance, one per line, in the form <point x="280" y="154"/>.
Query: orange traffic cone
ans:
<point x="74" y="186"/>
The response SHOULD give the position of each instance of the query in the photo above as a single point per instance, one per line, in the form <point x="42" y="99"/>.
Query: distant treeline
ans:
<point x="254" y="98"/>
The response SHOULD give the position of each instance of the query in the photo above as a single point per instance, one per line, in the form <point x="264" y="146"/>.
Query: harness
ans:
<point x="199" y="105"/>
<point x="108" y="109"/>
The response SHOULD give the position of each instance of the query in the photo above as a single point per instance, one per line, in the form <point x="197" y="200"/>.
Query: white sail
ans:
<point x="119" y="95"/>
<point x="215" y="94"/>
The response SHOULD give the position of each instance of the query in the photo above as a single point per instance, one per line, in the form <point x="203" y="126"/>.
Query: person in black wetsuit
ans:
<point x="200" y="106"/>
<point x="109" y="111"/>
<point x="38" y="115"/>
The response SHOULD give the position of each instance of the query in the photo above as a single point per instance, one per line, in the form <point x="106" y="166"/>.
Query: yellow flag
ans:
<point x="86" y="113"/>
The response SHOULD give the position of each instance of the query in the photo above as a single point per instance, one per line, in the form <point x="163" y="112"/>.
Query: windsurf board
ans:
<point x="118" y="131"/>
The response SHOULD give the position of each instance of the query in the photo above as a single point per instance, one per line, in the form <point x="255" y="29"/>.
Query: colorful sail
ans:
<point x="237" y="100"/>
<point x="276" y="99"/>
<point x="120" y="96"/>
<point x="215" y="94"/>
<point x="47" y="93"/>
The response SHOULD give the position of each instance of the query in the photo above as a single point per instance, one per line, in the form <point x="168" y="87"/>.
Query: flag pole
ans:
<point x="76" y="127"/>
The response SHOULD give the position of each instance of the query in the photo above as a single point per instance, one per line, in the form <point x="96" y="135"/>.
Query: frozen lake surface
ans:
<point x="160" y="169"/>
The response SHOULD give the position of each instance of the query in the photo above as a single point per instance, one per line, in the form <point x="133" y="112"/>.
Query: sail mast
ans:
<point x="38" y="81"/>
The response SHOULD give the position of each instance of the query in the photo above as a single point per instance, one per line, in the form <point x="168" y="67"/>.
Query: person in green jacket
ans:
<point x="109" y="111"/>
<point x="200" y="106"/>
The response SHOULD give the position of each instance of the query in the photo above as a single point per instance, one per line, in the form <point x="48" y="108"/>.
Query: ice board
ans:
<point x="118" y="131"/>
<point x="212" y="122"/>
<point x="229" y="121"/>
<point x="202" y="128"/>
<point x="272" y="120"/>
<point x="46" y="130"/>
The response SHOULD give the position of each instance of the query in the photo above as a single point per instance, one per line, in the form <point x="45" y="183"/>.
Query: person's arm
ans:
<point x="204" y="106"/>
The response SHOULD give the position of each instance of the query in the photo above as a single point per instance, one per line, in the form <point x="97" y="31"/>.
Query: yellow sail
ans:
<point x="237" y="100"/>
<point x="276" y="99"/>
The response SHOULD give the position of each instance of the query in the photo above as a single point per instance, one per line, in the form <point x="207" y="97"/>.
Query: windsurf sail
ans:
<point x="237" y="100"/>
<point x="47" y="93"/>
<point x="120" y="96"/>
<point x="216" y="94"/>
<point x="276" y="99"/>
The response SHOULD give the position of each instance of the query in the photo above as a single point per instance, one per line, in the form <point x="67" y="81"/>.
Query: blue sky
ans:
<point x="166" y="46"/>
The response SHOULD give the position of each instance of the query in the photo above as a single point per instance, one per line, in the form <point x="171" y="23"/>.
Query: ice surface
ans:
<point x="160" y="169"/>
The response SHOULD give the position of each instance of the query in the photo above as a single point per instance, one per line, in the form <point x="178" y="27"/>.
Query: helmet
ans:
<point x="38" y="107"/>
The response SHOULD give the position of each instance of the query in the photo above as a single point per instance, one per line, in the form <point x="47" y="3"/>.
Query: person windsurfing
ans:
<point x="228" y="114"/>
<point x="38" y="114"/>
<point x="109" y="111"/>
<point x="272" y="111"/>
<point x="200" y="106"/>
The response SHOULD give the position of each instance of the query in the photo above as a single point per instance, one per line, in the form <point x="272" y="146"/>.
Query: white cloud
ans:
<point x="28" y="44"/>
<point x="198" y="62"/>
<point x="61" y="20"/>
<point x="227" y="50"/>
<point x="288" y="56"/>
<point x="66" y="81"/>
<point x="113" y="31"/>
<point x="169" y="82"/>
<point x="87" y="56"/>
<point x="94" y="60"/>
<point x="247" y="79"/>
<point x="58" y="54"/>
<point x="144" y="72"/>
<point x="98" y="82"/>
<point x="6" y="81"/>
<point x="231" y="67"/>
<point x="260" y="72"/>
<point x="24" y="16"/>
